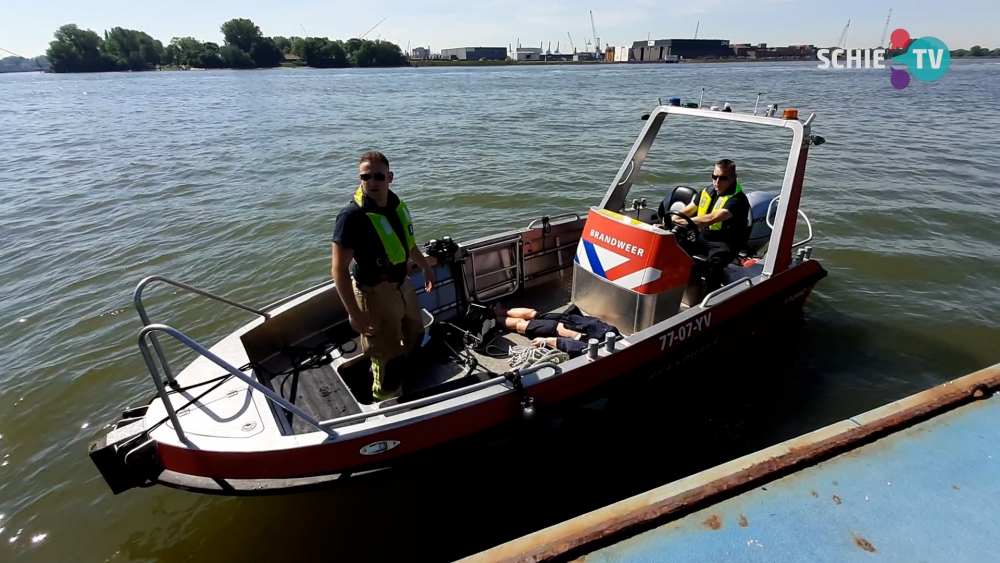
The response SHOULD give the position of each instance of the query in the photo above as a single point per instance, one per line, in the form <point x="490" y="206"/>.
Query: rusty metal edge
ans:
<point x="657" y="505"/>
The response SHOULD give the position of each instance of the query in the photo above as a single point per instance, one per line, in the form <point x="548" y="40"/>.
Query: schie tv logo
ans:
<point x="927" y="59"/>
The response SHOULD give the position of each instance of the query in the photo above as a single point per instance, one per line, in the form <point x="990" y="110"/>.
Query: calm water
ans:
<point x="231" y="180"/>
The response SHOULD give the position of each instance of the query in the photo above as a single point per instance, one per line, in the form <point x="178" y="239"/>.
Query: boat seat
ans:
<point x="681" y="197"/>
<point x="734" y="272"/>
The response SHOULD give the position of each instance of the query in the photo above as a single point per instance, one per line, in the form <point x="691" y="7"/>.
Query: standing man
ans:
<point x="723" y="213"/>
<point x="372" y="241"/>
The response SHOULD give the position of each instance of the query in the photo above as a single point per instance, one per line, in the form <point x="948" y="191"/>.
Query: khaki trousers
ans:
<point x="397" y="328"/>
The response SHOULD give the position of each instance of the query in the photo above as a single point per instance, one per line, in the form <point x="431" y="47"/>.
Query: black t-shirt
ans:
<point x="735" y="231"/>
<point x="354" y="230"/>
<point x="591" y="327"/>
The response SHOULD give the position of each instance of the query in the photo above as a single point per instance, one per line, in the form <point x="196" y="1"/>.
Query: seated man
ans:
<point x="723" y="214"/>
<point x="567" y="331"/>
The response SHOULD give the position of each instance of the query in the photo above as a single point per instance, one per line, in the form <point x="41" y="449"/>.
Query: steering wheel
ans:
<point x="689" y="230"/>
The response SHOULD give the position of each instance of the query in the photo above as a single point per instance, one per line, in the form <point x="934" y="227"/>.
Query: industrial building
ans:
<point x="622" y="54"/>
<point x="420" y="53"/>
<point x="528" y="54"/>
<point x="475" y="54"/>
<point x="667" y="49"/>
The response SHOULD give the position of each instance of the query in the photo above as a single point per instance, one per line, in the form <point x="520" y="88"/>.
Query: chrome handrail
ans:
<point x="161" y="389"/>
<point x="322" y="426"/>
<point x="723" y="289"/>
<point x="137" y="299"/>
<point x="575" y="216"/>
<point x="770" y="225"/>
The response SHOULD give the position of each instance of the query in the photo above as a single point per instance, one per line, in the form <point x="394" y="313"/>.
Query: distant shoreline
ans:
<point x="446" y="63"/>
<point x="440" y="62"/>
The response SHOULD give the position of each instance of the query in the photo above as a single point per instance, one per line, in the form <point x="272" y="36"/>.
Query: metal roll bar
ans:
<point x="137" y="299"/>
<point x="723" y="289"/>
<point x="161" y="389"/>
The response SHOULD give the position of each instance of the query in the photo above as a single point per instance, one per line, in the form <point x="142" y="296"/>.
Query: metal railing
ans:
<point x="162" y="390"/>
<point x="705" y="302"/>
<point x="514" y="247"/>
<point x="553" y="219"/>
<point x="770" y="225"/>
<point x="277" y="399"/>
<point x="137" y="299"/>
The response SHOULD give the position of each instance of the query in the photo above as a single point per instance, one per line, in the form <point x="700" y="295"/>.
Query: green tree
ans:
<point x="131" y="49"/>
<point x="977" y="51"/>
<point x="378" y="53"/>
<point x="234" y="57"/>
<point x="960" y="53"/>
<point x="77" y="50"/>
<point x="995" y="52"/>
<point x="193" y="53"/>
<point x="266" y="54"/>
<point x="352" y="45"/>
<point x="171" y="55"/>
<point x="211" y="56"/>
<point x="241" y="33"/>
<point x="284" y="44"/>
<point x="320" y="52"/>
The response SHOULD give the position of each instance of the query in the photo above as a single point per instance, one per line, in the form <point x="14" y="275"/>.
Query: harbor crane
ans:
<point x="842" y="42"/>
<point x="597" y="41"/>
<point x="885" y="30"/>
<point x="571" y="42"/>
<point x="371" y="30"/>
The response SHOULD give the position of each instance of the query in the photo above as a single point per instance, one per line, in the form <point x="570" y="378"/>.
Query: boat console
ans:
<point x="628" y="273"/>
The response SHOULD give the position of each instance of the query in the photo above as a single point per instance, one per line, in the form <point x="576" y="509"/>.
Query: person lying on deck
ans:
<point x="567" y="332"/>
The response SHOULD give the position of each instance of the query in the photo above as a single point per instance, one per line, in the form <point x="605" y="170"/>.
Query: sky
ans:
<point x="27" y="27"/>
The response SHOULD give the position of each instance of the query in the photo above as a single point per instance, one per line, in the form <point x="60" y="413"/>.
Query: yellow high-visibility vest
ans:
<point x="390" y="241"/>
<point x="706" y="200"/>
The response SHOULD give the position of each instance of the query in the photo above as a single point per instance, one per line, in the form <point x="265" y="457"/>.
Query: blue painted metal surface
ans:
<point x="930" y="492"/>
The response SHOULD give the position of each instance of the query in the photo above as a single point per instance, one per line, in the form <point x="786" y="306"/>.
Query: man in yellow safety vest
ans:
<point x="372" y="241"/>
<point x="723" y="214"/>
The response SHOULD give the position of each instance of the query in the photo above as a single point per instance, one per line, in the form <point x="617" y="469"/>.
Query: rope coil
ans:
<point x="527" y="356"/>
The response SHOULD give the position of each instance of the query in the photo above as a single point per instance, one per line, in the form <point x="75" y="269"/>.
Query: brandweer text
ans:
<point x="615" y="242"/>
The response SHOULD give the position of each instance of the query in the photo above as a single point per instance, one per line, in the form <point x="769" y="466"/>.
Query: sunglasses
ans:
<point x="379" y="177"/>
<point x="722" y="177"/>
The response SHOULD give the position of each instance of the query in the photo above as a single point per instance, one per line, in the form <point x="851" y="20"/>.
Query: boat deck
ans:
<point x="330" y="392"/>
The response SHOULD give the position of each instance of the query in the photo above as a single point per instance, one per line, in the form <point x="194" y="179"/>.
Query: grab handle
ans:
<point x="575" y="216"/>
<point x="705" y="302"/>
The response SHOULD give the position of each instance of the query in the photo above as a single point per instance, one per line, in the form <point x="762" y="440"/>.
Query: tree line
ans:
<point x="244" y="46"/>
<point x="976" y="51"/>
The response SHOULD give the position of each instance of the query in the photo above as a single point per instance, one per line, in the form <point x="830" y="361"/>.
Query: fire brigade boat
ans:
<point x="284" y="402"/>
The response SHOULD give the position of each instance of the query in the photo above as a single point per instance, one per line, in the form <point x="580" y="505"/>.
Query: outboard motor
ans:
<point x="760" y="233"/>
